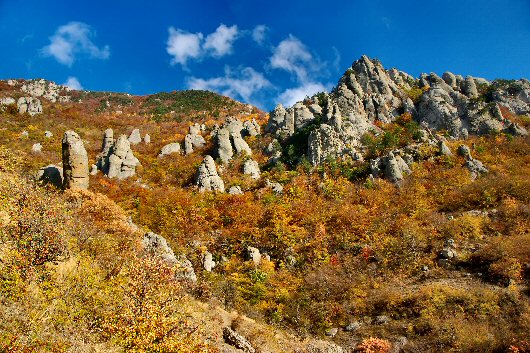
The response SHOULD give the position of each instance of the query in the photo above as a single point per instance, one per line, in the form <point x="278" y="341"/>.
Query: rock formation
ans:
<point x="156" y="246"/>
<point x="207" y="178"/>
<point x="474" y="165"/>
<point x="46" y="89"/>
<point x="75" y="162"/>
<point x="392" y="167"/>
<point x="121" y="160"/>
<point x="51" y="174"/>
<point x="235" y="190"/>
<point x="251" y="167"/>
<point x="29" y="105"/>
<point x="235" y="339"/>
<point x="193" y="139"/>
<point x="229" y="140"/>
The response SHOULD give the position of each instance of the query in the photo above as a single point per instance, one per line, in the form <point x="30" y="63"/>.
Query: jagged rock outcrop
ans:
<point x="46" y="89"/>
<point x="474" y="165"/>
<point x="135" y="137"/>
<point x="5" y="101"/>
<point x="367" y="94"/>
<point x="156" y="246"/>
<point x="251" y="128"/>
<point x="117" y="160"/>
<point x="229" y="140"/>
<point x="251" y="167"/>
<point x="207" y="178"/>
<point x="170" y="148"/>
<point x="29" y="105"/>
<point x="193" y="139"/>
<point x="75" y="162"/>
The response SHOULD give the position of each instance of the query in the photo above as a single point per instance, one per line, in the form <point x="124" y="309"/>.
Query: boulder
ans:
<point x="254" y="255"/>
<point x="147" y="139"/>
<point x="29" y="105"/>
<point x="443" y="150"/>
<point x="134" y="137"/>
<point x="75" y="162"/>
<point x="48" y="134"/>
<point x="51" y="174"/>
<point x="207" y="178"/>
<point x="251" y="167"/>
<point x="229" y="140"/>
<point x="7" y="101"/>
<point x="170" y="148"/>
<point x="36" y="148"/>
<point x="470" y="88"/>
<point x="392" y="167"/>
<point x="475" y="166"/>
<point x="235" y="339"/>
<point x="276" y="187"/>
<point x="193" y="139"/>
<point x="208" y="262"/>
<point x="235" y="190"/>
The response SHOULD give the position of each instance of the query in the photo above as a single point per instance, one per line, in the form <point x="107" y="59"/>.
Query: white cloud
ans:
<point x="292" y="95"/>
<point x="259" y="33"/>
<point x="183" y="45"/>
<point x="243" y="84"/>
<point x="72" y="39"/>
<point x="292" y="56"/>
<point x="73" y="83"/>
<point x="220" y="42"/>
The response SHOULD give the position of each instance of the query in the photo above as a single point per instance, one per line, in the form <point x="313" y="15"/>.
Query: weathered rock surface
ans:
<point x="392" y="167"/>
<point x="170" y="148"/>
<point x="46" y="89"/>
<point x="36" y="148"/>
<point x="119" y="162"/>
<point x="207" y="178"/>
<point x="254" y="255"/>
<point x="7" y="101"/>
<point x="193" y="139"/>
<point x="156" y="246"/>
<point x="134" y="137"/>
<point x="29" y="105"/>
<point x="276" y="187"/>
<point x="235" y="190"/>
<point x="147" y="139"/>
<point x="229" y="140"/>
<point x="208" y="262"/>
<point x="251" y="128"/>
<point x="251" y="167"/>
<point x="75" y="162"/>
<point x="48" y="134"/>
<point x="320" y="346"/>
<point x="235" y="339"/>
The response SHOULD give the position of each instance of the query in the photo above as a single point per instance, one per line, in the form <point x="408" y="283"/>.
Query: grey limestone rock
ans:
<point x="156" y="246"/>
<point x="251" y="167"/>
<point x="29" y="105"/>
<point x="276" y="187"/>
<point x="75" y="162"/>
<point x="207" y="261"/>
<point x="121" y="161"/>
<point x="135" y="137"/>
<point x="235" y="190"/>
<point x="475" y="166"/>
<point x="470" y="88"/>
<point x="320" y="346"/>
<point x="207" y="178"/>
<point x="229" y="140"/>
<point x="193" y="139"/>
<point x="48" y="134"/>
<point x="443" y="150"/>
<point x="147" y="139"/>
<point x="251" y="128"/>
<point x="254" y="255"/>
<point x="170" y="148"/>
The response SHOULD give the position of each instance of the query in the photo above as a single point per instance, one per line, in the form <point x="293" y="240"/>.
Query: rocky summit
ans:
<point x="390" y="214"/>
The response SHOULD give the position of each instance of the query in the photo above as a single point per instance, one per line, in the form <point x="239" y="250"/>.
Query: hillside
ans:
<point x="392" y="212"/>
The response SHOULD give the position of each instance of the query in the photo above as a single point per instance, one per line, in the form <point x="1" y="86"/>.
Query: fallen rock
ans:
<point x="277" y="188"/>
<point x="475" y="166"/>
<point x="134" y="137"/>
<point x="75" y="162"/>
<point x="208" y="262"/>
<point x="353" y="326"/>
<point x="332" y="332"/>
<point x="443" y="150"/>
<point x="48" y="134"/>
<point x="147" y="139"/>
<point x="170" y="148"/>
<point x="235" y="339"/>
<point x="207" y="178"/>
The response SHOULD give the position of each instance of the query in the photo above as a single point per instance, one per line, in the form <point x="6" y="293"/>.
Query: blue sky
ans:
<point x="260" y="52"/>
